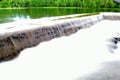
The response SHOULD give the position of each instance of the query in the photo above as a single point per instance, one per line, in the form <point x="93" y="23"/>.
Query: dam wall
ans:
<point x="16" y="36"/>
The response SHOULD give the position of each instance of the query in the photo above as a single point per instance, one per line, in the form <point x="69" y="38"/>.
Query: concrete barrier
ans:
<point x="16" y="36"/>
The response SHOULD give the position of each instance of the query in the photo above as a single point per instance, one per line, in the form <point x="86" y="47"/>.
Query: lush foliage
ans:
<point x="59" y="3"/>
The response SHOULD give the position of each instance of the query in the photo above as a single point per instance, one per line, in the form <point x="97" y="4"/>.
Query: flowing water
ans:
<point x="8" y="15"/>
<point x="65" y="58"/>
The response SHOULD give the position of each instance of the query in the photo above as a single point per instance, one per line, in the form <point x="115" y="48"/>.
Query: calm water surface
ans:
<point x="9" y="15"/>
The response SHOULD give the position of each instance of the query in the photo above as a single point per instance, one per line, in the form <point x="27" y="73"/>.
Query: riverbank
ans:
<point x="47" y="8"/>
<point x="59" y="8"/>
<point x="59" y="3"/>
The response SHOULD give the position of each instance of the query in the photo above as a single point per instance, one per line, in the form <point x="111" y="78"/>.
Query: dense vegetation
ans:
<point x="59" y="3"/>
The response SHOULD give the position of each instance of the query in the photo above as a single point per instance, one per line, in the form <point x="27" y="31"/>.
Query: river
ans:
<point x="77" y="57"/>
<point x="9" y="15"/>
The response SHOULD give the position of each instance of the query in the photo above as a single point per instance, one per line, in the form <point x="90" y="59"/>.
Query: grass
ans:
<point x="59" y="3"/>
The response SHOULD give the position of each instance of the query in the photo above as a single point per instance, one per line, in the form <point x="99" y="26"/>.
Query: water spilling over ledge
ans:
<point x="16" y="36"/>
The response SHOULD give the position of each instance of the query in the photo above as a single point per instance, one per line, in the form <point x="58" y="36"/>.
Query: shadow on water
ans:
<point x="109" y="71"/>
<point x="8" y="15"/>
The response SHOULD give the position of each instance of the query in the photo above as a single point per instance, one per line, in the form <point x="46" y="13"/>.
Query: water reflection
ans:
<point x="16" y="18"/>
<point x="19" y="18"/>
<point x="7" y="15"/>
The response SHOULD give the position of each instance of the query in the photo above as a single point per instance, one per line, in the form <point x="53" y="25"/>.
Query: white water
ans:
<point x="65" y="58"/>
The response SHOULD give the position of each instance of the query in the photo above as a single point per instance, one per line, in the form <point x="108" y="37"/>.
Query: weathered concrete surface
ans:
<point x="17" y="36"/>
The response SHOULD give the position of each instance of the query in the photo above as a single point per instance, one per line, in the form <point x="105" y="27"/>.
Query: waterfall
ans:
<point x="16" y="36"/>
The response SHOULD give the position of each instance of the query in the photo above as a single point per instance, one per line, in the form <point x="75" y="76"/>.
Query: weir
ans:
<point x="16" y="36"/>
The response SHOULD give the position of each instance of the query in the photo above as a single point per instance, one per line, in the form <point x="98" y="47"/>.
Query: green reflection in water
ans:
<point x="8" y="15"/>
